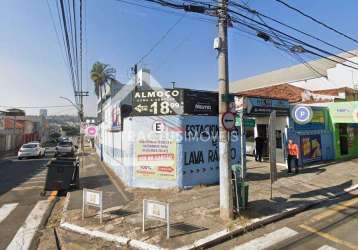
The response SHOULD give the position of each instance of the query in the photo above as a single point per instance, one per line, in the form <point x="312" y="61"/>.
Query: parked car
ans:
<point x="65" y="148"/>
<point x="33" y="149"/>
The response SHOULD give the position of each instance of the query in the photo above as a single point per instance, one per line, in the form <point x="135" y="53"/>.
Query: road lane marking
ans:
<point x="31" y="182"/>
<point x="25" y="234"/>
<point x="334" y="209"/>
<point x="330" y="237"/>
<point x="6" y="209"/>
<point x="326" y="247"/>
<point x="20" y="188"/>
<point x="267" y="240"/>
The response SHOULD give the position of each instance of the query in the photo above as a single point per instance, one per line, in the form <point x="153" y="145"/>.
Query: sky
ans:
<point x="33" y="72"/>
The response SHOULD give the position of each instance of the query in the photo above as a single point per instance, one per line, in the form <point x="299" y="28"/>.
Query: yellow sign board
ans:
<point x="155" y="159"/>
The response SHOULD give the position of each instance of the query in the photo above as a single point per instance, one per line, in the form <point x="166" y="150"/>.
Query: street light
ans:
<point x="80" y="114"/>
<point x="69" y="100"/>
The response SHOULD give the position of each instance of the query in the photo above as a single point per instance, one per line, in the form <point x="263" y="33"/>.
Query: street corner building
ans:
<point x="163" y="138"/>
<point x="315" y="138"/>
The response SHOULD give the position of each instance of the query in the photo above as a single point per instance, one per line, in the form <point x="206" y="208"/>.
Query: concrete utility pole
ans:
<point x="81" y="94"/>
<point x="226" y="200"/>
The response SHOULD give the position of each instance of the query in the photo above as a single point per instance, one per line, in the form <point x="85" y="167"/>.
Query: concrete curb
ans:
<point x="256" y="223"/>
<point x="209" y="240"/>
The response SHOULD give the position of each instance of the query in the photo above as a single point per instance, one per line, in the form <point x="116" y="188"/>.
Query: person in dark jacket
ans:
<point x="258" y="148"/>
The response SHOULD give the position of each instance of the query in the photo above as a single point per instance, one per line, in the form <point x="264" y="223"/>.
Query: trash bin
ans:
<point x="62" y="175"/>
<point x="243" y="193"/>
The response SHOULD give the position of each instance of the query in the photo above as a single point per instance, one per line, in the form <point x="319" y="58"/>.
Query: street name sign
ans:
<point x="248" y="122"/>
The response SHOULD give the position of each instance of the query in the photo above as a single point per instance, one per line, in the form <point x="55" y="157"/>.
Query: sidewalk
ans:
<point x="195" y="212"/>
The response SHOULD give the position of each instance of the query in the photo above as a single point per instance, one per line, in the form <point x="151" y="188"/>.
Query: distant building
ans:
<point x="43" y="112"/>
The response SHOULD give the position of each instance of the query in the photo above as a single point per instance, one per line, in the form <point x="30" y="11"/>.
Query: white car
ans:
<point x="31" y="150"/>
<point x="65" y="147"/>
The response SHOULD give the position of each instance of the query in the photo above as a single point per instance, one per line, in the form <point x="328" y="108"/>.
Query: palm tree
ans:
<point x="101" y="74"/>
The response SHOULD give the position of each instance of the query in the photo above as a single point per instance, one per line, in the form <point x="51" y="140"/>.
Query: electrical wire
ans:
<point x="161" y="39"/>
<point x="255" y="12"/>
<point x="287" y="36"/>
<point x="318" y="21"/>
<point x="36" y="107"/>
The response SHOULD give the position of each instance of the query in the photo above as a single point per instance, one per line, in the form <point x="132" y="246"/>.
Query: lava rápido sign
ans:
<point x="228" y="120"/>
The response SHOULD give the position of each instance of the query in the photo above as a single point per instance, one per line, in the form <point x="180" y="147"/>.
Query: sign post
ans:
<point x="92" y="198"/>
<point x="272" y="144"/>
<point x="156" y="210"/>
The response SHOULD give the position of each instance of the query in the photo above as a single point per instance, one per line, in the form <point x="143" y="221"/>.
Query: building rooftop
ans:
<point x="290" y="74"/>
<point x="296" y="94"/>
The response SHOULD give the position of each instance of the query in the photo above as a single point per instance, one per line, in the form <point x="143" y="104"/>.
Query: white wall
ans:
<point x="337" y="77"/>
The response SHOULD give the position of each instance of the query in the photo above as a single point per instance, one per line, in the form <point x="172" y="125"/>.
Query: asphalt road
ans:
<point x="331" y="225"/>
<point x="22" y="208"/>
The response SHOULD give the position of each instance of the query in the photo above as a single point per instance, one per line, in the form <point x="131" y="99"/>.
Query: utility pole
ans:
<point x="81" y="94"/>
<point x="226" y="200"/>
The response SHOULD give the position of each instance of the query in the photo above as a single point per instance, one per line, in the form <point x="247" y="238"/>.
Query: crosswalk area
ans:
<point x="37" y="181"/>
<point x="272" y="239"/>
<point x="22" y="235"/>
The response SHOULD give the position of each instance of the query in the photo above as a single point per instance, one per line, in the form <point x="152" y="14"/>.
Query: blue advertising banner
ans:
<point x="263" y="106"/>
<point x="311" y="148"/>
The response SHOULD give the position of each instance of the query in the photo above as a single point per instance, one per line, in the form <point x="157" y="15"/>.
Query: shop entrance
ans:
<point x="343" y="138"/>
<point x="262" y="133"/>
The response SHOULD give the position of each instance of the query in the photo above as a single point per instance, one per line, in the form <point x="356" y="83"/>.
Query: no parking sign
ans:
<point x="91" y="131"/>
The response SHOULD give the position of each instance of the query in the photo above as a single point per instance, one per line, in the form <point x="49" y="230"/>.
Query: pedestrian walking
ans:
<point x="292" y="156"/>
<point x="258" y="148"/>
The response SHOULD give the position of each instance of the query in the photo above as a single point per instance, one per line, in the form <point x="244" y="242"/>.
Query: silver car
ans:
<point x="65" y="148"/>
<point x="31" y="150"/>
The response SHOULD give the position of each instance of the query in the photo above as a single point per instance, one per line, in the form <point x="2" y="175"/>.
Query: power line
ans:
<point x="255" y="12"/>
<point x="161" y="39"/>
<point x="287" y="36"/>
<point x="317" y="21"/>
<point x="57" y="35"/>
<point x="296" y="56"/>
<point x="36" y="107"/>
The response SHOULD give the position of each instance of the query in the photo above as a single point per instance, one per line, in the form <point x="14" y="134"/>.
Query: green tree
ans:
<point x="102" y="74"/>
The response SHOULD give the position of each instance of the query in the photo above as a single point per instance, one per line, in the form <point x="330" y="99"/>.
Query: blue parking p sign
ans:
<point x="302" y="114"/>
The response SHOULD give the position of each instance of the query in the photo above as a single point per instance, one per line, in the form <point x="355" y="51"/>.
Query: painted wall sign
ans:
<point x="200" y="102"/>
<point x="157" y="102"/>
<point x="116" y="117"/>
<point x="318" y="122"/>
<point x="228" y="120"/>
<point x="155" y="159"/>
<point x="311" y="148"/>
<point x="344" y="112"/>
<point x="302" y="114"/>
<point x="256" y="106"/>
